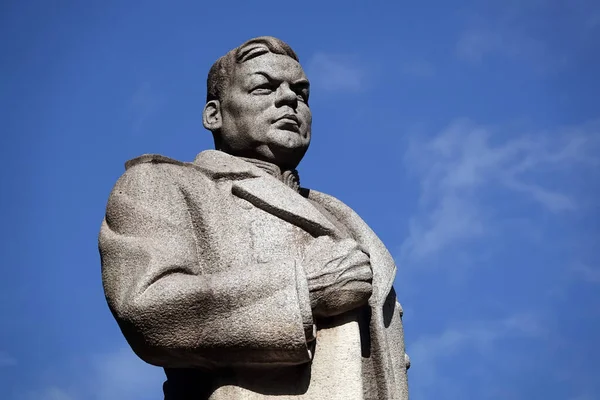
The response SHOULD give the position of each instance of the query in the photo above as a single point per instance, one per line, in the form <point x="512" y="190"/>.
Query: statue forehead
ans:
<point x="275" y="65"/>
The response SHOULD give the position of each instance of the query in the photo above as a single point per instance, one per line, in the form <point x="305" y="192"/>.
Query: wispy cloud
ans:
<point x="593" y="20"/>
<point x="49" y="393"/>
<point x="586" y="272"/>
<point x="479" y="335"/>
<point x="524" y="31"/>
<point x="432" y="352"/>
<point x="121" y="374"/>
<point x="585" y="396"/>
<point x="474" y="45"/>
<point x="461" y="169"/>
<point x="6" y="360"/>
<point x="336" y="72"/>
<point x="418" y="68"/>
<point x="143" y="104"/>
<point x="115" y="375"/>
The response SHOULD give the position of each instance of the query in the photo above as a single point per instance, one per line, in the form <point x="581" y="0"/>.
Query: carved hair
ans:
<point x="222" y="70"/>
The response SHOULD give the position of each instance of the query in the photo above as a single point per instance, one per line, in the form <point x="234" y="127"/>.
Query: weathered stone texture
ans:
<point x="236" y="280"/>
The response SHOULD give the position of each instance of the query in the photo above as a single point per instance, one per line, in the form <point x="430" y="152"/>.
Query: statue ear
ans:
<point x="211" y="116"/>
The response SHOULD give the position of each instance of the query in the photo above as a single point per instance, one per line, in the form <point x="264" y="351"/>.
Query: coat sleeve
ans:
<point x="174" y="315"/>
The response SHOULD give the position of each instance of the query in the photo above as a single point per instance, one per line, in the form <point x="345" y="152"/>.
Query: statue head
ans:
<point x="257" y="103"/>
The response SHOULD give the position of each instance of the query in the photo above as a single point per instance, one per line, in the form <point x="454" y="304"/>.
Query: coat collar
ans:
<point x="289" y="177"/>
<point x="265" y="191"/>
<point x="218" y="165"/>
<point x="271" y="195"/>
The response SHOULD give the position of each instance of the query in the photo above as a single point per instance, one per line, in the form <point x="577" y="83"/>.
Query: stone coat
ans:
<point x="202" y="269"/>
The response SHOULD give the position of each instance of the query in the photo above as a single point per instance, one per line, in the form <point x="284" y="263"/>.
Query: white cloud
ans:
<point x="115" y="375"/>
<point x="524" y="31"/>
<point x="418" y="68"/>
<point x="478" y="335"/>
<point x="121" y="374"/>
<point x="474" y="45"/>
<point x="593" y="20"/>
<point x="431" y="351"/>
<point x="336" y="73"/>
<point x="6" y="360"/>
<point x="143" y="103"/>
<point x="451" y="221"/>
<point x="586" y="272"/>
<point x="470" y="174"/>
<point x="584" y="396"/>
<point x="50" y="393"/>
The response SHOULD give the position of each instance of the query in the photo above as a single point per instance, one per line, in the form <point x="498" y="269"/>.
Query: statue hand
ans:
<point x="339" y="276"/>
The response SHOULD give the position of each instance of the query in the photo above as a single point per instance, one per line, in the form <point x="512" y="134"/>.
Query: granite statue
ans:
<point x="235" y="279"/>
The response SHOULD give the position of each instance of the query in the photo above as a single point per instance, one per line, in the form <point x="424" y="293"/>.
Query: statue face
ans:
<point x="265" y="111"/>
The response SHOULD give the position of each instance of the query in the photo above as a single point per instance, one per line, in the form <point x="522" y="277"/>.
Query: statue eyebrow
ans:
<point x="302" y="82"/>
<point x="269" y="77"/>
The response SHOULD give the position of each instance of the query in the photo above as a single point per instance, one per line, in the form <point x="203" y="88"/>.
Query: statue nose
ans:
<point x="286" y="96"/>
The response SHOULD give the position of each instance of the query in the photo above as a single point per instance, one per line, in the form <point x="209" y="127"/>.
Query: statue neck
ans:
<point x="289" y="177"/>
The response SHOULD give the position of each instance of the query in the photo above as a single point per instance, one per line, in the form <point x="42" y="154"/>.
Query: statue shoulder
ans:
<point x="152" y="159"/>
<point x="159" y="167"/>
<point x="328" y="201"/>
<point x="152" y="172"/>
<point x="155" y="179"/>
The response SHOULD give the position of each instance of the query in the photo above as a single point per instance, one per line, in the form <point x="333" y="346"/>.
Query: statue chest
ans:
<point x="267" y="237"/>
<point x="230" y="230"/>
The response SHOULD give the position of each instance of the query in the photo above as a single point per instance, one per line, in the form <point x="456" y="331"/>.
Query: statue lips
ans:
<point x="289" y="122"/>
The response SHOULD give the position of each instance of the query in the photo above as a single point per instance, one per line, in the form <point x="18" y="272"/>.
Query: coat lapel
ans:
<point x="275" y="198"/>
<point x="265" y="192"/>
<point x="384" y="268"/>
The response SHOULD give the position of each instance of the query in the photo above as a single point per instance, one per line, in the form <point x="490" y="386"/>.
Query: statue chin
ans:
<point x="281" y="147"/>
<point x="286" y="157"/>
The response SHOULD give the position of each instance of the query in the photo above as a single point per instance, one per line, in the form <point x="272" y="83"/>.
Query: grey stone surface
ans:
<point x="236" y="280"/>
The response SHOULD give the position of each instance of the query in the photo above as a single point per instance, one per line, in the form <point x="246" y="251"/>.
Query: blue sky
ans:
<point x="466" y="133"/>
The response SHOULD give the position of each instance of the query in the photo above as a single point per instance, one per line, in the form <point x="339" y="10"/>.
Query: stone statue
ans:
<point x="236" y="280"/>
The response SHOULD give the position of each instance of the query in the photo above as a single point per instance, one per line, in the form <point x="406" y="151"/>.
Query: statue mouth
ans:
<point x="289" y="118"/>
<point x="288" y="122"/>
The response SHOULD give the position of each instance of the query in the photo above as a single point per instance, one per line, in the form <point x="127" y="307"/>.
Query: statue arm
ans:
<point x="173" y="314"/>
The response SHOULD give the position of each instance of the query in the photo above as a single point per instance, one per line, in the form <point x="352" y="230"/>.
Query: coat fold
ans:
<point x="202" y="269"/>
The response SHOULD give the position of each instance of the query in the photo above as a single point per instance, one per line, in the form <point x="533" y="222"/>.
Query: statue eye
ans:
<point x="265" y="88"/>
<point x="301" y="91"/>
<point x="303" y="96"/>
